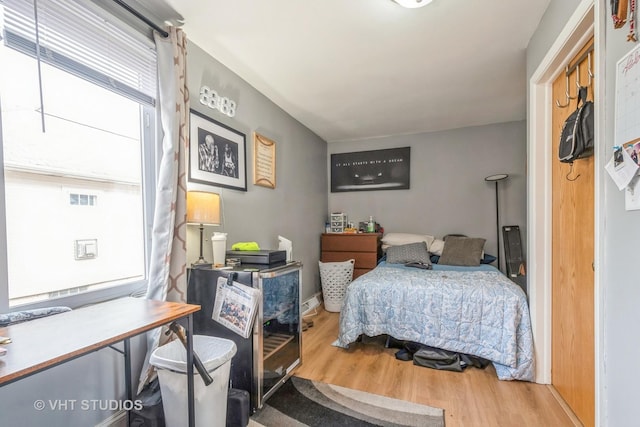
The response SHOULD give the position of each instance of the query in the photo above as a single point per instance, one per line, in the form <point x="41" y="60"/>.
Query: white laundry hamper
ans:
<point x="335" y="277"/>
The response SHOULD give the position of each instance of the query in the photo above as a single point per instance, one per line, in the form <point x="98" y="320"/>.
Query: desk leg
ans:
<point x="190" y="381"/>
<point x="127" y="375"/>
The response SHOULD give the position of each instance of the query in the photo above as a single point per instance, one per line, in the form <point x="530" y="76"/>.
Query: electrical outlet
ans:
<point x="310" y="304"/>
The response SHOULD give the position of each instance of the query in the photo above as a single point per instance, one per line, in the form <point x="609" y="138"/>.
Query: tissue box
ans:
<point x="266" y="256"/>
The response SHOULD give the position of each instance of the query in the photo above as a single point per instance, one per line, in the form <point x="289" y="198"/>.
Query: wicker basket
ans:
<point x="335" y="277"/>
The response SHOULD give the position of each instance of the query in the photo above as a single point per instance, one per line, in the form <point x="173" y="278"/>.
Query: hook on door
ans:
<point x="589" y="72"/>
<point x="570" y="171"/>
<point x="566" y="91"/>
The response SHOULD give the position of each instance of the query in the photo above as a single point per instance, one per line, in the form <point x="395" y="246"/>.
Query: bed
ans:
<point x="474" y="310"/>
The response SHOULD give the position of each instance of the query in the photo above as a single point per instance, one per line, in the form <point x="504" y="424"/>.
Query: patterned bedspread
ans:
<point x="476" y="311"/>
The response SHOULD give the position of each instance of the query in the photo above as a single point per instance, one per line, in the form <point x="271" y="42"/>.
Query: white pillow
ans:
<point x="397" y="239"/>
<point x="436" y="247"/>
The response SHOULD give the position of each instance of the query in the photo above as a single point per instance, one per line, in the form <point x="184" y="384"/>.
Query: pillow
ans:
<point x="397" y="239"/>
<point x="412" y="252"/>
<point x="487" y="259"/>
<point x="8" y="319"/>
<point x="436" y="247"/>
<point x="464" y="251"/>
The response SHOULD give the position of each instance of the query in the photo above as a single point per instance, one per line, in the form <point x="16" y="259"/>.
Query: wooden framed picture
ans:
<point x="217" y="153"/>
<point x="264" y="161"/>
<point x="371" y="170"/>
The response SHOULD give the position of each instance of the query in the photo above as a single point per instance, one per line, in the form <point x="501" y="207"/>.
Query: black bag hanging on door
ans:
<point x="576" y="139"/>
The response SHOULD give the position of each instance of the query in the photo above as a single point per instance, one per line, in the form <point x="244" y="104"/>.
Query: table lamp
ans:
<point x="203" y="208"/>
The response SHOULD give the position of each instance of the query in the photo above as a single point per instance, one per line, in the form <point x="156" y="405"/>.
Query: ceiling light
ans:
<point x="411" y="4"/>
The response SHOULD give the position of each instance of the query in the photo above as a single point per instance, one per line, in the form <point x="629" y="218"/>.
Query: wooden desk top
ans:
<point x="42" y="343"/>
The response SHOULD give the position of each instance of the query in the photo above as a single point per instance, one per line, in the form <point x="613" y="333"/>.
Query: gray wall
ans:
<point x="552" y="22"/>
<point x="620" y="262"/>
<point x="448" y="193"/>
<point x="297" y="207"/>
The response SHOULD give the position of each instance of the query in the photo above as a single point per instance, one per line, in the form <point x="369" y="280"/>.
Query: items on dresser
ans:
<point x="364" y="248"/>
<point x="338" y="222"/>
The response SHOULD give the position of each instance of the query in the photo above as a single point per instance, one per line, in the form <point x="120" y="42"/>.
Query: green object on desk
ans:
<point x="245" y="246"/>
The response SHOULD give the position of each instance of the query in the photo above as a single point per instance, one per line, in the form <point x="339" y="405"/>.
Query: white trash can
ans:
<point x="210" y="402"/>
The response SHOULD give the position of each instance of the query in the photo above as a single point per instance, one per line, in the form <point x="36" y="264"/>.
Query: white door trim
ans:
<point x="539" y="156"/>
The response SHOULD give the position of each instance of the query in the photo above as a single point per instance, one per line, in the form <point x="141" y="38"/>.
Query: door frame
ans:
<point x="586" y="21"/>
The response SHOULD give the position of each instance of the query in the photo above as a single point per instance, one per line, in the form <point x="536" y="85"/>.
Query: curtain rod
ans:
<point x="141" y="17"/>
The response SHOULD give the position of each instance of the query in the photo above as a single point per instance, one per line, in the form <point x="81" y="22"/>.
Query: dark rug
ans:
<point x="300" y="402"/>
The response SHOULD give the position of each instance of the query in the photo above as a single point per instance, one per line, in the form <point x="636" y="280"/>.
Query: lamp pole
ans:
<point x="495" y="179"/>
<point x="201" y="260"/>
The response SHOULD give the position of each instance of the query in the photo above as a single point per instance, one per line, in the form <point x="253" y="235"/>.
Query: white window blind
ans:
<point x="75" y="37"/>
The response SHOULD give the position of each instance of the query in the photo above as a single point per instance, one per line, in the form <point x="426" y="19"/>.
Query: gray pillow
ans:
<point x="464" y="251"/>
<point x="411" y="252"/>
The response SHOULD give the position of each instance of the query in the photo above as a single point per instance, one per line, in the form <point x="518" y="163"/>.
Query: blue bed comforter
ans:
<point x="470" y="310"/>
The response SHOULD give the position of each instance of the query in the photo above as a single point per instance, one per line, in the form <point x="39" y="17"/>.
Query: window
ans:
<point x="76" y="199"/>
<point x="77" y="125"/>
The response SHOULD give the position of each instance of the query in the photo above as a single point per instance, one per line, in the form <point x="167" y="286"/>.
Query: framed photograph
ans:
<point x="217" y="153"/>
<point x="264" y="161"/>
<point x="371" y="170"/>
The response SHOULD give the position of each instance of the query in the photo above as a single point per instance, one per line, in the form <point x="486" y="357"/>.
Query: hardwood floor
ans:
<point x="474" y="397"/>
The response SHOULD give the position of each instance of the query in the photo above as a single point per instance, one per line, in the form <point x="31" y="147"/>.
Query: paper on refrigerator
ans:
<point x="236" y="306"/>
<point x="622" y="173"/>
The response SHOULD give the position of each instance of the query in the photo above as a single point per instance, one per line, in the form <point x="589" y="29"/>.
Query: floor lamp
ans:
<point x="495" y="179"/>
<point x="203" y="209"/>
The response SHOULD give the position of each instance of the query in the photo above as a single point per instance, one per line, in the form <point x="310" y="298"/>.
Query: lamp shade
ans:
<point x="412" y="4"/>
<point x="496" y="177"/>
<point x="203" y="208"/>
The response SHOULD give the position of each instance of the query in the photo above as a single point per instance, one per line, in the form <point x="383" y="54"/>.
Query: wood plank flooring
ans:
<point x="472" y="398"/>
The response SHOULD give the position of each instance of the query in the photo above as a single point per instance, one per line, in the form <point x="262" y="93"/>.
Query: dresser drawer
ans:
<point x="350" y="242"/>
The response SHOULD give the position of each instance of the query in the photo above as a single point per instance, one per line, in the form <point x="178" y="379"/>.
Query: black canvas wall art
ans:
<point x="371" y="170"/>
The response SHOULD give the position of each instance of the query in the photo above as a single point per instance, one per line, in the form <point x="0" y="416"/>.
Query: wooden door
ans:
<point x="572" y="356"/>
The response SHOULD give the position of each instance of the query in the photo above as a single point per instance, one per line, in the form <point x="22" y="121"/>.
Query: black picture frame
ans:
<point x="217" y="153"/>
<point x="387" y="169"/>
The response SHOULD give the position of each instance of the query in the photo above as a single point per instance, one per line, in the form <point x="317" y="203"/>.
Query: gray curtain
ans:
<point x="167" y="270"/>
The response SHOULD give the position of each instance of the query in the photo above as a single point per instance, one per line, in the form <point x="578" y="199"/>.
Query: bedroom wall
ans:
<point x="447" y="192"/>
<point x="620" y="262"/>
<point x="552" y="22"/>
<point x="296" y="208"/>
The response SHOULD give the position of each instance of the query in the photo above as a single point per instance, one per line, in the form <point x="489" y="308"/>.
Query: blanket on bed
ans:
<point x="466" y="310"/>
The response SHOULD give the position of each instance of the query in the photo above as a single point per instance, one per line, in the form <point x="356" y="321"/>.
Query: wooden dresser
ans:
<point x="365" y="248"/>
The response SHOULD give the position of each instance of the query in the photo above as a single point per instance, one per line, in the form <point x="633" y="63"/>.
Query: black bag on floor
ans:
<point x="436" y="358"/>
<point x="238" y="410"/>
<point x="151" y="414"/>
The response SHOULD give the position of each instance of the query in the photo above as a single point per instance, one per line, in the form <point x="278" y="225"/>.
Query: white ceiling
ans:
<point x="354" y="69"/>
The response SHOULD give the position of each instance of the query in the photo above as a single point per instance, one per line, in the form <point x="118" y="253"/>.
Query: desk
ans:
<point x="43" y="343"/>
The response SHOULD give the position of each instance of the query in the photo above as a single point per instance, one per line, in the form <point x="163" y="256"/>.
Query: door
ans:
<point x="572" y="352"/>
